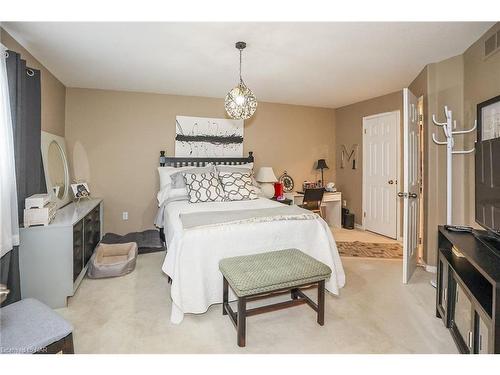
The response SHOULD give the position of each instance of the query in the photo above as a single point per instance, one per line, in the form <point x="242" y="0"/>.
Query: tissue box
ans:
<point x="36" y="201"/>
<point x="39" y="216"/>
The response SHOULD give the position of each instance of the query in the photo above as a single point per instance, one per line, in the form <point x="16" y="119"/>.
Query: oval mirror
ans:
<point x="55" y="165"/>
<point x="57" y="172"/>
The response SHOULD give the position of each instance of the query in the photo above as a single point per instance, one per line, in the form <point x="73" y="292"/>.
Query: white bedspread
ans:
<point x="193" y="255"/>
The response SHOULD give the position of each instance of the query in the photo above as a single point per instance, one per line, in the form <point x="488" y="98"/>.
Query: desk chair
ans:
<point x="313" y="199"/>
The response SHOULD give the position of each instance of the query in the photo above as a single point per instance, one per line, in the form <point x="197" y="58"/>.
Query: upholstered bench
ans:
<point x="29" y="326"/>
<point x="253" y="277"/>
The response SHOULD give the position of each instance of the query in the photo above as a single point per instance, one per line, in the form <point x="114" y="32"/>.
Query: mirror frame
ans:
<point x="46" y="141"/>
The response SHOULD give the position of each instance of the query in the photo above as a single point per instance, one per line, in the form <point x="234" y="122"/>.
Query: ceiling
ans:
<point x="317" y="64"/>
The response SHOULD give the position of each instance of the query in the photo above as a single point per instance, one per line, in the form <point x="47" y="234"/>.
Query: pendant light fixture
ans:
<point x="240" y="102"/>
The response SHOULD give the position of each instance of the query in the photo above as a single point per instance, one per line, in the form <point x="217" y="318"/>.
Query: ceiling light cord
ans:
<point x="241" y="79"/>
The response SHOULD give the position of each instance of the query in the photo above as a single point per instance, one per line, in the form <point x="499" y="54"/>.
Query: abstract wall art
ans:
<point x="208" y="137"/>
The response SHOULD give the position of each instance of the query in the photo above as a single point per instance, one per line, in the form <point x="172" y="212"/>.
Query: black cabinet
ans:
<point x="468" y="292"/>
<point x="86" y="236"/>
<point x="92" y="233"/>
<point x="77" y="249"/>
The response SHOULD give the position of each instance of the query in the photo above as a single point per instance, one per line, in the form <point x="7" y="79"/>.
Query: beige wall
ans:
<point x="114" y="139"/>
<point x="349" y="129"/>
<point x="53" y="92"/>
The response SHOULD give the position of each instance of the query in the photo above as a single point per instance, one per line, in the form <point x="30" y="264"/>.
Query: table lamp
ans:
<point x="322" y="165"/>
<point x="266" y="177"/>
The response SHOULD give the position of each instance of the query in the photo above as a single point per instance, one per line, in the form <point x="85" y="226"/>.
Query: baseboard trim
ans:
<point x="431" y="269"/>
<point x="359" y="226"/>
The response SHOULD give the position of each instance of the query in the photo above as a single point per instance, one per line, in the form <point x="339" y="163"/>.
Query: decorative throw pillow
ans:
<point x="238" y="186"/>
<point x="204" y="187"/>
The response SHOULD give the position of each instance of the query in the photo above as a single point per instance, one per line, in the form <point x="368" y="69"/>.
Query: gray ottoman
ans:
<point x="29" y="326"/>
<point x="112" y="260"/>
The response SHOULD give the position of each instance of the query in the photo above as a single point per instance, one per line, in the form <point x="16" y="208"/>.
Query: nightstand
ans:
<point x="284" y="201"/>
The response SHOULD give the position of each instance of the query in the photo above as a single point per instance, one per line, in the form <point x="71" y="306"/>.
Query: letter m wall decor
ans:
<point x="348" y="156"/>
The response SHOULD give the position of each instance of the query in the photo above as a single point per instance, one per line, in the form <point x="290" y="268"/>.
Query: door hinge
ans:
<point x="364" y="214"/>
<point x="420" y="117"/>
<point x="420" y="240"/>
<point x="365" y="131"/>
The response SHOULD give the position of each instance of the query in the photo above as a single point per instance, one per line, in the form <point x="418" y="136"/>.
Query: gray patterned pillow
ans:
<point x="204" y="187"/>
<point x="238" y="186"/>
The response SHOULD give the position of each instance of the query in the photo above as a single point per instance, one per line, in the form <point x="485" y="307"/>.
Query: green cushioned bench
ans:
<point x="257" y="276"/>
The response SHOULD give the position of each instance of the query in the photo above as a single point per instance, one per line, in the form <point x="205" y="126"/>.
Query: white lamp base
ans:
<point x="267" y="189"/>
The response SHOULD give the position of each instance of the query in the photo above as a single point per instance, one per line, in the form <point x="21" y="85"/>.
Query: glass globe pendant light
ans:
<point x="240" y="102"/>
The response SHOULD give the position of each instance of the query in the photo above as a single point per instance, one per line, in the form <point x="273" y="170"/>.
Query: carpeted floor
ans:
<point x="370" y="250"/>
<point x="375" y="313"/>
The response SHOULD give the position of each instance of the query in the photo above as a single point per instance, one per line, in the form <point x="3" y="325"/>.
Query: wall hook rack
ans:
<point x="449" y="133"/>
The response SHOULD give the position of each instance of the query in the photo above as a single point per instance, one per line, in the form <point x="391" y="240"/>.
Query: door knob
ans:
<point x="401" y="195"/>
<point x="390" y="182"/>
<point x="412" y="195"/>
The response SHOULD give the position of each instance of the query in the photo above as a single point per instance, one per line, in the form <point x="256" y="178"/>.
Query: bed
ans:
<point x="199" y="235"/>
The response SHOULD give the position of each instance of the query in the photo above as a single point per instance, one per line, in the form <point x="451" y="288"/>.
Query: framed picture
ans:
<point x="80" y="190"/>
<point x="488" y="119"/>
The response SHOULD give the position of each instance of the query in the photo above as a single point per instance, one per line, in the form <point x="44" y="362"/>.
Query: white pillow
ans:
<point x="166" y="173"/>
<point x="227" y="168"/>
<point x="169" y="194"/>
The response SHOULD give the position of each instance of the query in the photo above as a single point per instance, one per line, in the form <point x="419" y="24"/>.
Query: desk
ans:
<point x="332" y="206"/>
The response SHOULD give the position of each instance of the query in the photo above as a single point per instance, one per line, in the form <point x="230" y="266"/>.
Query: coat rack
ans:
<point x="449" y="132"/>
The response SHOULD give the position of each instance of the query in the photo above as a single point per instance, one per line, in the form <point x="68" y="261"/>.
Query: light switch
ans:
<point x="125" y="215"/>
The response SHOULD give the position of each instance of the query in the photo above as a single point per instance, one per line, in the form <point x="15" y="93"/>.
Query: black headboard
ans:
<point x="171" y="161"/>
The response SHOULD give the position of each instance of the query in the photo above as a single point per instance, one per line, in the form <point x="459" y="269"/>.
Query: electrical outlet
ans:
<point x="344" y="203"/>
<point x="125" y="215"/>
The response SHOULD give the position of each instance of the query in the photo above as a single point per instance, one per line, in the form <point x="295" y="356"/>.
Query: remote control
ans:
<point x="458" y="228"/>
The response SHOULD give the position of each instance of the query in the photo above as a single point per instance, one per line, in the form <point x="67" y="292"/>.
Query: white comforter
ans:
<point x="193" y="255"/>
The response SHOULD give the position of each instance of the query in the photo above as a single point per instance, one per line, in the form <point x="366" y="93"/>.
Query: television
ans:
<point x="487" y="171"/>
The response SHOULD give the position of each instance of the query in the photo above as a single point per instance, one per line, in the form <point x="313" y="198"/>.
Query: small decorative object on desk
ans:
<point x="287" y="182"/>
<point x="39" y="210"/>
<point x="330" y="187"/>
<point x="162" y="158"/>
<point x="309" y="185"/>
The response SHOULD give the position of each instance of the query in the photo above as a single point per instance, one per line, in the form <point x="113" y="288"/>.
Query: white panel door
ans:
<point x="380" y="155"/>
<point x="411" y="184"/>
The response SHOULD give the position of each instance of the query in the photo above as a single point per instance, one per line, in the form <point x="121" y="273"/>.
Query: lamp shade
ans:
<point x="266" y="174"/>
<point x="322" y="164"/>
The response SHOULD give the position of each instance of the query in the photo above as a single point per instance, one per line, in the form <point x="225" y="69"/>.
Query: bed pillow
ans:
<point x="204" y="187"/>
<point x="178" y="177"/>
<point x="243" y="168"/>
<point x="235" y="168"/>
<point x="238" y="186"/>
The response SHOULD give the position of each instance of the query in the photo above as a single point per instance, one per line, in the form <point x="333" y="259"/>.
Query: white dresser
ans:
<point x="53" y="259"/>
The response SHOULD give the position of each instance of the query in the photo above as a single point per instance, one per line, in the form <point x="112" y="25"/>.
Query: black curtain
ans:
<point x="25" y="104"/>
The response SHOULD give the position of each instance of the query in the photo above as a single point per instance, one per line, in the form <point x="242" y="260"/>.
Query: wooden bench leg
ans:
<point x="242" y="306"/>
<point x="321" y="302"/>
<point x="225" y="295"/>
<point x="68" y="347"/>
